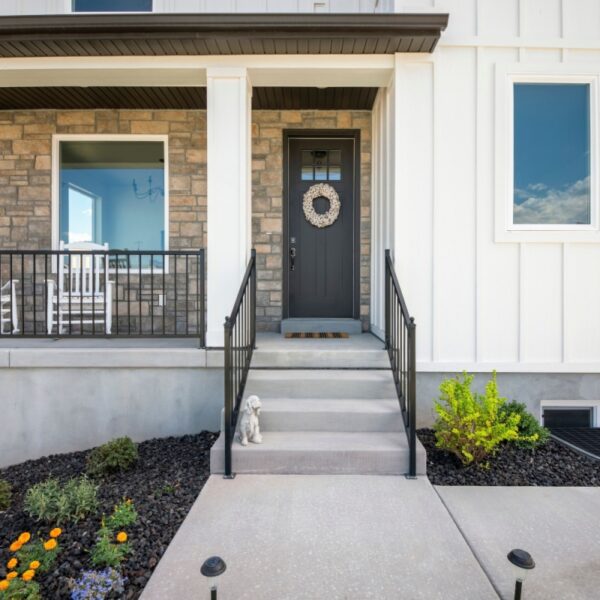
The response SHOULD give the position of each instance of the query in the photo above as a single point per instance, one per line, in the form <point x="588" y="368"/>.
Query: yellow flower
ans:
<point x="11" y="575"/>
<point x="15" y="546"/>
<point x="128" y="501"/>
<point x="12" y="563"/>
<point x="121" y="537"/>
<point x="50" y="544"/>
<point x="24" y="537"/>
<point x="28" y="575"/>
<point x="55" y="532"/>
<point x="4" y="585"/>
<point x="34" y="564"/>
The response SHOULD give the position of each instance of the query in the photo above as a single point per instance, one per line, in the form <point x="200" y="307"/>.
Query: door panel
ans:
<point x="321" y="261"/>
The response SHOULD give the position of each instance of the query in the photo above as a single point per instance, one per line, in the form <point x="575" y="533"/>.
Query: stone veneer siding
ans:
<point x="25" y="168"/>
<point x="267" y="198"/>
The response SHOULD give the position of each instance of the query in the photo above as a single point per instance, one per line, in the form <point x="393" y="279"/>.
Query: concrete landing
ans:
<point x="351" y="326"/>
<point x="320" y="538"/>
<point x="559" y="527"/>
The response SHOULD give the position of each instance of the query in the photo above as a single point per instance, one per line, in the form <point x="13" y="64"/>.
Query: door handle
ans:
<point x="292" y="258"/>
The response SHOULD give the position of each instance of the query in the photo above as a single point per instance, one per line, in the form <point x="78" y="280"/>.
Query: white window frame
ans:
<point x="569" y="404"/>
<point x="505" y="229"/>
<point x="108" y="137"/>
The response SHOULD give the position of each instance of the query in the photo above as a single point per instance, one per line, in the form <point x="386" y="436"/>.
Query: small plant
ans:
<point x="96" y="585"/>
<point x="124" y="515"/>
<point x="469" y="425"/>
<point x="110" y="549"/>
<point x="5" y="494"/>
<point x="52" y="502"/>
<point x="19" y="589"/>
<point x="40" y="555"/>
<point x="117" y="455"/>
<point x="165" y="490"/>
<point x="531" y="433"/>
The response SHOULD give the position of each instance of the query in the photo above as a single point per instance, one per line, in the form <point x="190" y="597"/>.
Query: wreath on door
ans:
<point x="321" y="220"/>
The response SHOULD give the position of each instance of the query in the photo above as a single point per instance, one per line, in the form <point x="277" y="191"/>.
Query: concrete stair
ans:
<point x="324" y="421"/>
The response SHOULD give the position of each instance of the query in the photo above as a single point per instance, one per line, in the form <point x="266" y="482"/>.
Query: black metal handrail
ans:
<point x="240" y="340"/>
<point x="102" y="293"/>
<point x="400" y="338"/>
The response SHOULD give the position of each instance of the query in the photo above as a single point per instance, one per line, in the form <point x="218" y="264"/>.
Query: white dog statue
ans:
<point x="249" y="427"/>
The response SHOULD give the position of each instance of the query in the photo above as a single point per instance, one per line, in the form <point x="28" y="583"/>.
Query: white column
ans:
<point x="229" y="122"/>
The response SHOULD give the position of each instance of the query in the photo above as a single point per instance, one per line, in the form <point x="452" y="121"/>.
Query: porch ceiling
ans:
<point x="218" y="34"/>
<point x="264" y="98"/>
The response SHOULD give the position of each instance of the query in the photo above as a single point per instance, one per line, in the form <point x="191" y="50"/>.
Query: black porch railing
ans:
<point x="102" y="293"/>
<point x="240" y="339"/>
<point x="400" y="334"/>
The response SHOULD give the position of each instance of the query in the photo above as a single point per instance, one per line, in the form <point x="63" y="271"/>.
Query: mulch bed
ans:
<point x="552" y="465"/>
<point x="163" y="486"/>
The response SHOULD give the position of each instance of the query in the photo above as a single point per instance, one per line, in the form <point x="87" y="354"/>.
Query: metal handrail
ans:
<point x="119" y="293"/>
<point x="239" y="343"/>
<point x="400" y="342"/>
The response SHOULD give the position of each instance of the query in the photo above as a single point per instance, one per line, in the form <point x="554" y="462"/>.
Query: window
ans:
<point x="546" y="153"/>
<point x="321" y="165"/>
<point x="111" y="191"/>
<point x="551" y="154"/>
<point x="112" y="5"/>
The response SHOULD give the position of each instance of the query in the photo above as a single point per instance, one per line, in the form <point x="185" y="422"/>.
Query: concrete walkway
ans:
<point x="299" y="537"/>
<point x="560" y="527"/>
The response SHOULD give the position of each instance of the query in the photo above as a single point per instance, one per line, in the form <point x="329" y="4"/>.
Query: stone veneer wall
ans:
<point x="25" y="168"/>
<point x="267" y="190"/>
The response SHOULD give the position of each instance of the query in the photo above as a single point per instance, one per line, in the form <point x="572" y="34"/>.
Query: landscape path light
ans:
<point x="522" y="563"/>
<point x="212" y="568"/>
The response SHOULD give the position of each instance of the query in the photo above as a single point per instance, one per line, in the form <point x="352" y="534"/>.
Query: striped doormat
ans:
<point x="315" y="336"/>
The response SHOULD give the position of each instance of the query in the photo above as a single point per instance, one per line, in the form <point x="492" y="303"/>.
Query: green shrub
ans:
<point x="5" y="494"/>
<point x="470" y="425"/>
<point x="531" y="433"/>
<point x="21" y="590"/>
<point x="52" y="502"/>
<point x="124" y="515"/>
<point x="107" y="552"/>
<point x="117" y="455"/>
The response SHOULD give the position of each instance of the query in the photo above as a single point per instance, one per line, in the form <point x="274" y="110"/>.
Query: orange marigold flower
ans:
<point x="12" y="563"/>
<point x="24" y="537"/>
<point x="4" y="585"/>
<point x="55" y="532"/>
<point x="15" y="546"/>
<point x="28" y="575"/>
<point x="50" y="544"/>
<point x="11" y="575"/>
<point x="34" y="564"/>
<point x="121" y="537"/>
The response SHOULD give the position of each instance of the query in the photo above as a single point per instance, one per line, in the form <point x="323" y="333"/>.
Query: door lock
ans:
<point x="292" y="258"/>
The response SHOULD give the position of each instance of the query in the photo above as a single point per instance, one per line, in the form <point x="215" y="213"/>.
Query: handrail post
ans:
<point x="387" y="299"/>
<point x="228" y="408"/>
<point x="412" y="398"/>
<point x="253" y="298"/>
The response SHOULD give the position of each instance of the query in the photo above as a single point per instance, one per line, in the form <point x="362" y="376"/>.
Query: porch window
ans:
<point x="112" y="191"/>
<point x="552" y="155"/>
<point x="112" y="5"/>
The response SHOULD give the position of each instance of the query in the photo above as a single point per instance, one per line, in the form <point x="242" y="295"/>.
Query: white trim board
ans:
<point x="500" y="367"/>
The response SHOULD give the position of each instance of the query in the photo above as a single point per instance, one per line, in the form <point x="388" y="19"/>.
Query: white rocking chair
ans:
<point x="9" y="313"/>
<point x="84" y="293"/>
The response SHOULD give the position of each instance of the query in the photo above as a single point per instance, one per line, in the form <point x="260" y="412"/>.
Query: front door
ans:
<point x="322" y="225"/>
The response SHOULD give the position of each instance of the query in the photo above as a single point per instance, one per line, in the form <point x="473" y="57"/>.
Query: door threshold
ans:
<point x="310" y="325"/>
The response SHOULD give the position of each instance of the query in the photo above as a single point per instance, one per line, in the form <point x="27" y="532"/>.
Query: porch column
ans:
<point x="229" y="122"/>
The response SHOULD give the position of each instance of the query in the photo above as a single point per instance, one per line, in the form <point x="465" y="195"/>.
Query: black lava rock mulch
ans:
<point x="553" y="465"/>
<point x="163" y="485"/>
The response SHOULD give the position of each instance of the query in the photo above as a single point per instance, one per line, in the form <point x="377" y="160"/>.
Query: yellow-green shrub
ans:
<point x="470" y="425"/>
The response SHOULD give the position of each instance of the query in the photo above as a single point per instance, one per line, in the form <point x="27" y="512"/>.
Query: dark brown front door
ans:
<point x="321" y="262"/>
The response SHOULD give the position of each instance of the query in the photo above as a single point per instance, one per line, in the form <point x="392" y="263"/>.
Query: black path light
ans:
<point x="522" y="563"/>
<point x="212" y="568"/>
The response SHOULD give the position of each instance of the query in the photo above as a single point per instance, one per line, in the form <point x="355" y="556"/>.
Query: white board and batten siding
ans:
<point x="479" y="303"/>
<point x="50" y="7"/>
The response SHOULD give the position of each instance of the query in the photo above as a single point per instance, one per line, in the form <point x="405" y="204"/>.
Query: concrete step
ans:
<point x="332" y="384"/>
<point x="330" y="415"/>
<point x="322" y="452"/>
<point x="349" y="326"/>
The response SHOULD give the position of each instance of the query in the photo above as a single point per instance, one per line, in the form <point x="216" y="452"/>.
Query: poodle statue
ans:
<point x="249" y="427"/>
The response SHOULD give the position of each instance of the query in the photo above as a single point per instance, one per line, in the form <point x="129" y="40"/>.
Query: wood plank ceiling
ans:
<point x="183" y="98"/>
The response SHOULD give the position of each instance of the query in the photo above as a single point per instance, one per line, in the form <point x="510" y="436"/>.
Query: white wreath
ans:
<point x="321" y="190"/>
